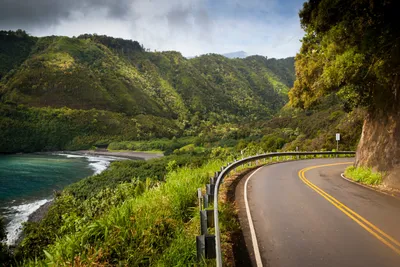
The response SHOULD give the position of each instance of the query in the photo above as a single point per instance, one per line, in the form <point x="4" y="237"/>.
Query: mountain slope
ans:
<point x="118" y="75"/>
<point x="157" y="94"/>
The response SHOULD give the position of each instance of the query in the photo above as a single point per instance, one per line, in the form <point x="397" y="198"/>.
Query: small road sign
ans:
<point x="337" y="141"/>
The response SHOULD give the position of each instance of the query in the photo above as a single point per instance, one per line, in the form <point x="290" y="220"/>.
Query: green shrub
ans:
<point x="164" y="144"/>
<point x="27" y="129"/>
<point x="363" y="175"/>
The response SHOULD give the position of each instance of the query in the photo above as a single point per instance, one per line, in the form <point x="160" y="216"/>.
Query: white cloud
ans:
<point x="192" y="27"/>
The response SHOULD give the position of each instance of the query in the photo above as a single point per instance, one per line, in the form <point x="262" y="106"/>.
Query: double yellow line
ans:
<point x="372" y="229"/>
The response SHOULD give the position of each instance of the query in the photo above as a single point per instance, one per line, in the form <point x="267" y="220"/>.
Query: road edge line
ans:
<point x="251" y="225"/>
<point x="368" y="187"/>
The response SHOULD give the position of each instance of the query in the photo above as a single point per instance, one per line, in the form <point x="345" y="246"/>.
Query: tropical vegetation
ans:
<point x="351" y="49"/>
<point x="61" y="93"/>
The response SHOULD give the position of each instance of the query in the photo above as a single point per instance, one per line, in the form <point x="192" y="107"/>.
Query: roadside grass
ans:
<point x="363" y="175"/>
<point x="154" y="229"/>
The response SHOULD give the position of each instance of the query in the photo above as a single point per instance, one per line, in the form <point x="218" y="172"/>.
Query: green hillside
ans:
<point x="118" y="75"/>
<point x="92" y="72"/>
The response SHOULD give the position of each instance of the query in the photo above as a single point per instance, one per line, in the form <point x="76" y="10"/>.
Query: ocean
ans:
<point x="28" y="181"/>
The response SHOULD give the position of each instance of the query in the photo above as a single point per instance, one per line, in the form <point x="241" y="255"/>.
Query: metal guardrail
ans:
<point x="238" y="163"/>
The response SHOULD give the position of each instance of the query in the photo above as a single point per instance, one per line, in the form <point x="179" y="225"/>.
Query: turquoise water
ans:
<point x="28" y="181"/>
<point x="28" y="177"/>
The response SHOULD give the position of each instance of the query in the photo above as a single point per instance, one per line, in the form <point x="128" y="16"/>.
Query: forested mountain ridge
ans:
<point x="70" y="93"/>
<point x="119" y="75"/>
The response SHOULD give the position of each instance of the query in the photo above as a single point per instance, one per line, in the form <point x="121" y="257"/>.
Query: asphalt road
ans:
<point x="316" y="218"/>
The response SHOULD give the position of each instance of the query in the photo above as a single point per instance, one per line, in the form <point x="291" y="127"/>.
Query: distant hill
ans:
<point x="118" y="75"/>
<point x="238" y="54"/>
<point x="93" y="72"/>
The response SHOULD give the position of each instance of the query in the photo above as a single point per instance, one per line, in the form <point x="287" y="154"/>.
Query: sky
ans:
<point x="193" y="27"/>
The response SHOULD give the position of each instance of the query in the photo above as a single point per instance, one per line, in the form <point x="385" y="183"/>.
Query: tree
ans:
<point x="352" y="49"/>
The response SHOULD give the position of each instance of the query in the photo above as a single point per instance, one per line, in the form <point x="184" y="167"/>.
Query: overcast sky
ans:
<point x="193" y="27"/>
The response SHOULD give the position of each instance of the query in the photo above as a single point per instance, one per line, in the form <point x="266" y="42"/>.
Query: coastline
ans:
<point x="34" y="217"/>
<point x="133" y="155"/>
<point x="41" y="212"/>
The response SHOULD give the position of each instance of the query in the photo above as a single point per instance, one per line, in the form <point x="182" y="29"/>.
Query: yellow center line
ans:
<point x="342" y="205"/>
<point x="368" y="226"/>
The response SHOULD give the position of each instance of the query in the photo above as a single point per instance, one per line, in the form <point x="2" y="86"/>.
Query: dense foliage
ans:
<point x="118" y="75"/>
<point x="351" y="48"/>
<point x="15" y="47"/>
<point x="25" y="129"/>
<point x="74" y="93"/>
<point x="306" y="130"/>
<point x="117" y="44"/>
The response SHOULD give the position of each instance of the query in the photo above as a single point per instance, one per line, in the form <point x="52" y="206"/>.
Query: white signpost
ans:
<point x="337" y="141"/>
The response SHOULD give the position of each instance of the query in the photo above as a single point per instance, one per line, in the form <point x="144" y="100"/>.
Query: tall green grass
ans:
<point x="363" y="175"/>
<point x="154" y="229"/>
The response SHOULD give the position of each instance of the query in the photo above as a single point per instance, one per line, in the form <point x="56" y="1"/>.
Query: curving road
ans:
<point x="302" y="213"/>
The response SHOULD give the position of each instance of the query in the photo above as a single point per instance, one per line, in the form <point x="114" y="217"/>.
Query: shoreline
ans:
<point x="34" y="217"/>
<point x="134" y="155"/>
<point x="40" y="213"/>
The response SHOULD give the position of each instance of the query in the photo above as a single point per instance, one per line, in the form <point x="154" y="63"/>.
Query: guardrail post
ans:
<point x="210" y="218"/>
<point x="208" y="198"/>
<point x="210" y="189"/>
<point x="206" y="220"/>
<point x="200" y="197"/>
<point x="205" y="201"/>
<point x="210" y="247"/>
<point x="203" y="222"/>
<point x="201" y="247"/>
<point x="205" y="246"/>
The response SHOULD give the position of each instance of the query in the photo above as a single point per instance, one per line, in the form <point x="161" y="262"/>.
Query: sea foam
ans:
<point x="97" y="163"/>
<point x="21" y="215"/>
<point x="21" y="212"/>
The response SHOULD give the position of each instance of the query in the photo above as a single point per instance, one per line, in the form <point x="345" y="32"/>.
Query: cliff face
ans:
<point x="379" y="146"/>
